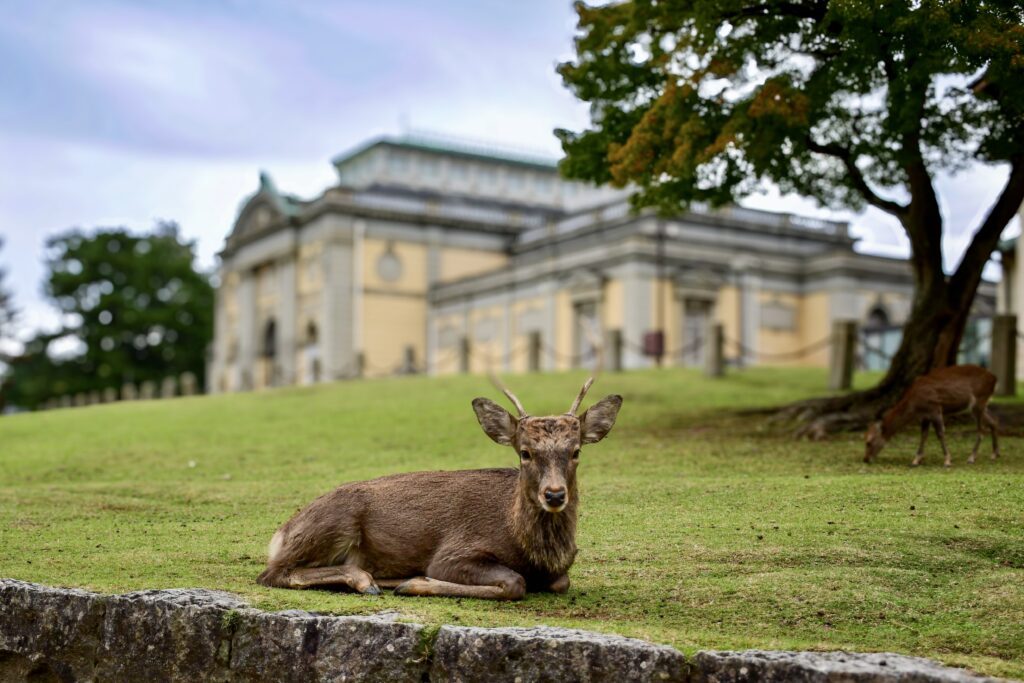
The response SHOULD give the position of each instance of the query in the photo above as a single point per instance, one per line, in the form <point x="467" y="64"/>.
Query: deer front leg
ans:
<point x="469" y="580"/>
<point x="920" y="446"/>
<point x="977" y="411"/>
<point x="991" y="422"/>
<point x="940" y="430"/>
<point x="342" y="575"/>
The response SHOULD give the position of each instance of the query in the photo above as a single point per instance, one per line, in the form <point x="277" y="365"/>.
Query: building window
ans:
<point x="312" y="355"/>
<point x="696" y="318"/>
<point x="878" y="317"/>
<point x="270" y="339"/>
<point x="389" y="266"/>
<point x="778" y="316"/>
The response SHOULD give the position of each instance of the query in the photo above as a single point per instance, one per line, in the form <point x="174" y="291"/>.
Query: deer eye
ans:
<point x="576" y="454"/>
<point x="524" y="454"/>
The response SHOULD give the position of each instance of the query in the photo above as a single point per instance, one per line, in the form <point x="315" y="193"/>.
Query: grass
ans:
<point x="699" y="528"/>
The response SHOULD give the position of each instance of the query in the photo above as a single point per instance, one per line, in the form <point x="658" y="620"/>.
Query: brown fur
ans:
<point x="944" y="391"/>
<point x="478" y="533"/>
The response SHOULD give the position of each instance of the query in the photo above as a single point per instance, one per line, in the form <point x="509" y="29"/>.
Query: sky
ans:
<point x="125" y="113"/>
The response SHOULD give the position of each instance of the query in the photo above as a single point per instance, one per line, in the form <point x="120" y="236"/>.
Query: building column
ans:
<point x="218" y="361"/>
<point x="550" y="325"/>
<point x="506" y="326"/>
<point x="245" y="369"/>
<point x="636" y="316"/>
<point x="287" y="321"/>
<point x="750" y="315"/>
<point x="337" y="355"/>
<point x="433" y="276"/>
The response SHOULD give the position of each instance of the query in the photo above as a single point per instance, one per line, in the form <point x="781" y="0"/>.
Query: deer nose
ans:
<point x="554" y="497"/>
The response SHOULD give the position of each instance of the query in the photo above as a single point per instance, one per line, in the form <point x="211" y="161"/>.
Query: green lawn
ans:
<point x="699" y="528"/>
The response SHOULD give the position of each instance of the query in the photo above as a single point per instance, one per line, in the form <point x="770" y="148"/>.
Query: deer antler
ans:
<point x="579" y="398"/>
<point x="500" y="386"/>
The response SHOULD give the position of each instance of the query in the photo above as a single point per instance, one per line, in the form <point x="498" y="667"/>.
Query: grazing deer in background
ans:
<point x="941" y="392"/>
<point x="491" y="533"/>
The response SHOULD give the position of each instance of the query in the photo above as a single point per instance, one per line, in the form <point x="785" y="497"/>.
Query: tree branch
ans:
<point x="968" y="274"/>
<point x="857" y="177"/>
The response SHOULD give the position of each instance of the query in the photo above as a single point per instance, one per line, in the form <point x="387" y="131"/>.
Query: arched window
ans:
<point x="311" y="333"/>
<point x="270" y="339"/>
<point x="878" y="317"/>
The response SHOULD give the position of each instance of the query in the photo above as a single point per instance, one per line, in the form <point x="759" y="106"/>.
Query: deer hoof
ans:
<point x="405" y="588"/>
<point x="371" y="590"/>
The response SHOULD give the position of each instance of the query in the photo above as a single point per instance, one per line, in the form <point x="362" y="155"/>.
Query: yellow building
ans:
<point x="438" y="257"/>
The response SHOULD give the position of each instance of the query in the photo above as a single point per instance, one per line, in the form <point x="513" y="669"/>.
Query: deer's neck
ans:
<point x="896" y="418"/>
<point x="548" y="540"/>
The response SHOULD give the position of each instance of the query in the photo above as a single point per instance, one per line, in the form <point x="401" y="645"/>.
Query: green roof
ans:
<point x="287" y="204"/>
<point x="467" y="150"/>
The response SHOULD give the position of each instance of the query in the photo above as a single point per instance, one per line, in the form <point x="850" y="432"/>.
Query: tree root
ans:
<point x="816" y="418"/>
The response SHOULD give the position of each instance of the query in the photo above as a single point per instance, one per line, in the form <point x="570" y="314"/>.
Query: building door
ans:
<point x="586" y="328"/>
<point x="311" y="356"/>
<point x="696" y="318"/>
<point x="268" y="354"/>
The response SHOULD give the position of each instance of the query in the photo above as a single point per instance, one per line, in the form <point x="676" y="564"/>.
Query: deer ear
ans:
<point x="599" y="418"/>
<point x="496" y="421"/>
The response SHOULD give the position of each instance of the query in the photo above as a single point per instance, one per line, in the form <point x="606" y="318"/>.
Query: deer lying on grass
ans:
<point x="944" y="391"/>
<point x="492" y="533"/>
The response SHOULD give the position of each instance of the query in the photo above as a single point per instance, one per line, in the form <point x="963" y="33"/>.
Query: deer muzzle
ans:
<point x="554" y="499"/>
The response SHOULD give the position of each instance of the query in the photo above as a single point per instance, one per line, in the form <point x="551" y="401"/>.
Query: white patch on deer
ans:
<point x="274" y="549"/>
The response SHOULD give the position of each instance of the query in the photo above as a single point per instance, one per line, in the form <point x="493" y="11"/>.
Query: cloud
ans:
<point x="119" y="113"/>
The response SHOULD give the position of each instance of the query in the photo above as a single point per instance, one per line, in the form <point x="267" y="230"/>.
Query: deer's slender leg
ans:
<point x="920" y="445"/>
<point x="390" y="583"/>
<point x="340" y="575"/>
<point x="992" y="424"/>
<point x="490" y="582"/>
<point x="978" y="412"/>
<point x="940" y="429"/>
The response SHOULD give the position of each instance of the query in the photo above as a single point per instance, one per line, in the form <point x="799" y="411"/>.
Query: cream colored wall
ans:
<point x="458" y="263"/>
<point x="815" y="325"/>
<point x="390" y="324"/>
<point x="310" y="268"/>
<point x="614" y="308"/>
<point x="669" y="317"/>
<point x="446" y="358"/>
<point x="770" y="341"/>
<point x="520" y="360"/>
<point x="413" y="257"/>
<point x="727" y="313"/>
<point x="487" y="356"/>
<point x="394" y="313"/>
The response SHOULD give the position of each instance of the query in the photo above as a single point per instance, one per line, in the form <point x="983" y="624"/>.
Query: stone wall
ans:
<point x="51" y="634"/>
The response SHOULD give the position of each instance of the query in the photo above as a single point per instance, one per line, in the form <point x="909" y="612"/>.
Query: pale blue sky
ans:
<point x="121" y="113"/>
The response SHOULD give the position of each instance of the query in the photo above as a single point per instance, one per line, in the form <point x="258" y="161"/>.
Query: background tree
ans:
<point x="851" y="103"/>
<point x="135" y="304"/>
<point x="7" y="311"/>
<point x="7" y="316"/>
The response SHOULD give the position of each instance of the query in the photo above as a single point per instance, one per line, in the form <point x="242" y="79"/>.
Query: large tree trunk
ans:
<point x="942" y="304"/>
<point x="931" y="339"/>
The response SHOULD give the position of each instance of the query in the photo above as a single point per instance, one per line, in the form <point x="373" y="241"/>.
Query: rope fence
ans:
<point x="992" y="345"/>
<point x="734" y="352"/>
